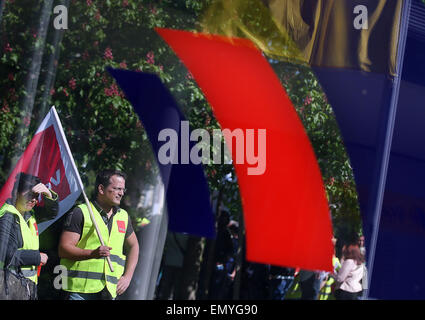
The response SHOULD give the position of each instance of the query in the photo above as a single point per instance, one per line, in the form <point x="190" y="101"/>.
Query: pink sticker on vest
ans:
<point x="121" y="226"/>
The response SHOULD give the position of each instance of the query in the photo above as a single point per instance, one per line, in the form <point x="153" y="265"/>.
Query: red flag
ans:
<point x="49" y="158"/>
<point x="285" y="208"/>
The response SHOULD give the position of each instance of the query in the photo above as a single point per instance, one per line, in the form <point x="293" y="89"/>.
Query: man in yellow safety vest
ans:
<point x="88" y="276"/>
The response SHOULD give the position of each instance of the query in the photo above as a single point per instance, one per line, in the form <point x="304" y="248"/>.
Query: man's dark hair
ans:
<point x="23" y="182"/>
<point x="104" y="178"/>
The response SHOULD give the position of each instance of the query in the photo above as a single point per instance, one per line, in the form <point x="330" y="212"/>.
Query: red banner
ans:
<point x="48" y="157"/>
<point x="286" y="212"/>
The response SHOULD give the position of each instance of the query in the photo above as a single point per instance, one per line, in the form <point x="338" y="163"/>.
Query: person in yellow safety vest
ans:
<point x="294" y="293"/>
<point x="326" y="290"/>
<point x="19" y="243"/>
<point x="88" y="276"/>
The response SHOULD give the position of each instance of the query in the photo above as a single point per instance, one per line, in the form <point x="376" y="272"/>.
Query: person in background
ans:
<point x="231" y="264"/>
<point x="326" y="289"/>
<point x="309" y="282"/>
<point x="19" y="241"/>
<point x="169" y="287"/>
<point x="349" y="277"/>
<point x="363" y="252"/>
<point x="361" y="245"/>
<point x="254" y="282"/>
<point x="223" y="252"/>
<point x="280" y="280"/>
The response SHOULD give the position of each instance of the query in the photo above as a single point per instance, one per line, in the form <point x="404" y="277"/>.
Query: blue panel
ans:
<point x="402" y="233"/>
<point x="360" y="101"/>
<point x="414" y="63"/>
<point x="357" y="99"/>
<point x="402" y="229"/>
<point x="186" y="189"/>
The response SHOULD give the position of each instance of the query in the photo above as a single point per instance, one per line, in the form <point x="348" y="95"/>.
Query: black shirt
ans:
<point x="74" y="221"/>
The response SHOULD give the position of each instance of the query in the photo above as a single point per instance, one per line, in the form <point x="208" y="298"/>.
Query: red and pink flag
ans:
<point x="48" y="157"/>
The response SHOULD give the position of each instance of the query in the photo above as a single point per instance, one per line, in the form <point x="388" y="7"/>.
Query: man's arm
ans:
<point x="132" y="246"/>
<point x="68" y="248"/>
<point x="73" y="227"/>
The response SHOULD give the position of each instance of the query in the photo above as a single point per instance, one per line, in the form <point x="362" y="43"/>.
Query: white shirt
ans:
<point x="349" y="276"/>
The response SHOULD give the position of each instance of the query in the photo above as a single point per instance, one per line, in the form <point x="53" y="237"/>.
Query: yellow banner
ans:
<point x="251" y="19"/>
<point x="355" y="34"/>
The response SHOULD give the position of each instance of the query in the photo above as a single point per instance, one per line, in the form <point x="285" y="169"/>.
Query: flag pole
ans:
<point x="108" y="259"/>
<point x="80" y="183"/>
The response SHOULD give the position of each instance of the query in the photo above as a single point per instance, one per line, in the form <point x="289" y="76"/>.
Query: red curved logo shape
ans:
<point x="286" y="212"/>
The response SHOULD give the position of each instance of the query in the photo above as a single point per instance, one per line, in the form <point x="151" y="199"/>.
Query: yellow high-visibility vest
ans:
<point x="327" y="288"/>
<point x="92" y="275"/>
<point x="29" y="231"/>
